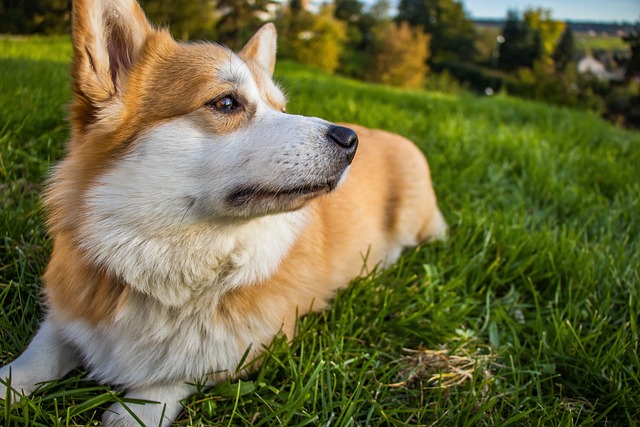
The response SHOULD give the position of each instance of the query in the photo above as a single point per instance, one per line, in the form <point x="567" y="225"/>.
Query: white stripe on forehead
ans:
<point x="238" y="74"/>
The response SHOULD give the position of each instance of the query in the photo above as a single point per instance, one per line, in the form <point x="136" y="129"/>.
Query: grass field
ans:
<point x="528" y="315"/>
<point x="586" y="42"/>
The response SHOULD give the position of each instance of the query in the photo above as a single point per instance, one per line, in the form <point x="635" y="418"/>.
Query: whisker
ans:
<point x="192" y="202"/>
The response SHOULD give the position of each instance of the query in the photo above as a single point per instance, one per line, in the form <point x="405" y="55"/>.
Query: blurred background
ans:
<point x="583" y="54"/>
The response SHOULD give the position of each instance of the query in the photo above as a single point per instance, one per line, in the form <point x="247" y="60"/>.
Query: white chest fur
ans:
<point x="169" y="329"/>
<point x="150" y="343"/>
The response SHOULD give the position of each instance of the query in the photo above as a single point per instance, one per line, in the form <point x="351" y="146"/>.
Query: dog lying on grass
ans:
<point x="193" y="219"/>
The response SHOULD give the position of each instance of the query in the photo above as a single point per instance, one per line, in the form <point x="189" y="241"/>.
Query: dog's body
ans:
<point x="190" y="218"/>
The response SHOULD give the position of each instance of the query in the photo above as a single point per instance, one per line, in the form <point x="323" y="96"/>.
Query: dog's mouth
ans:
<point x="256" y="194"/>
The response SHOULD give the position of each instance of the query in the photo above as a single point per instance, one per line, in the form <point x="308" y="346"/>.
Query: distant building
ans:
<point x="590" y="65"/>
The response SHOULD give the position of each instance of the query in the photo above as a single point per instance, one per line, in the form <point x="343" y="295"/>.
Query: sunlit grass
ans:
<point x="610" y="43"/>
<point x="528" y="315"/>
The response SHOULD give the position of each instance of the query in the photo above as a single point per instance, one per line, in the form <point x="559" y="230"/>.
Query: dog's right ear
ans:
<point x="108" y="37"/>
<point x="262" y="48"/>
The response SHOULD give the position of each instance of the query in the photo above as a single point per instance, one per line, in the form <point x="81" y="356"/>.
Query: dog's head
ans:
<point x="182" y="132"/>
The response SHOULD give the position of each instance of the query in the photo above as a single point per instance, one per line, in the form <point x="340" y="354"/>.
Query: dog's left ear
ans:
<point x="108" y="36"/>
<point x="262" y="48"/>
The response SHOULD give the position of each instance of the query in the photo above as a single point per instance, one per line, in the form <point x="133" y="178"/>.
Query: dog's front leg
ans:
<point x="163" y="407"/>
<point x="47" y="358"/>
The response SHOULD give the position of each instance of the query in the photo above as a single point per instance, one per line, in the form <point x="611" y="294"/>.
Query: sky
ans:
<point x="573" y="10"/>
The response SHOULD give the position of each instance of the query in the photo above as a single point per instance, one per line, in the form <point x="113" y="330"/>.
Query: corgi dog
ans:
<point x="193" y="219"/>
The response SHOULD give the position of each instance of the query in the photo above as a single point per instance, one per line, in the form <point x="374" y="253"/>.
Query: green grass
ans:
<point x="585" y="42"/>
<point x="528" y="315"/>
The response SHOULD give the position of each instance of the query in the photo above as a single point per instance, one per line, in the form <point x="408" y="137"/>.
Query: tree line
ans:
<point x="420" y="43"/>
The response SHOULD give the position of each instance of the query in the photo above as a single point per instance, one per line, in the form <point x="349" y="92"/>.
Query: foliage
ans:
<point x="360" y="22"/>
<point x="565" y="51"/>
<point x="351" y="13"/>
<point x="530" y="57"/>
<point x="34" y="16"/>
<point x="530" y="40"/>
<point x="444" y="82"/>
<point x="239" y="20"/>
<point x="537" y="83"/>
<point x="186" y="19"/>
<point x="525" y="69"/>
<point x="379" y="10"/>
<point x="522" y="44"/>
<point x="549" y="31"/>
<point x="452" y="32"/>
<point x="623" y="104"/>
<point x="348" y="10"/>
<point x="537" y="285"/>
<point x="633" y="40"/>
<point x="316" y="40"/>
<point x="475" y="77"/>
<point x="486" y="45"/>
<point x="400" y="55"/>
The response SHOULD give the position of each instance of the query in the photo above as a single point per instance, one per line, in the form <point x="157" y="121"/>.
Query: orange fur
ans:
<point x="319" y="263"/>
<point x="136" y="293"/>
<point x="386" y="194"/>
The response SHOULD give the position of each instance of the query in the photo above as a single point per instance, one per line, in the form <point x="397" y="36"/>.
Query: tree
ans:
<point x="549" y="32"/>
<point x="316" y="40"/>
<point x="632" y="38"/>
<point x="187" y="19"/>
<point x="351" y="12"/>
<point x="348" y="10"/>
<point x="379" y="10"/>
<point x="34" y="16"/>
<point x="522" y="45"/>
<point x="564" y="52"/>
<point x="400" y="55"/>
<point x="360" y="22"/>
<point x="452" y="32"/>
<point x="240" y="20"/>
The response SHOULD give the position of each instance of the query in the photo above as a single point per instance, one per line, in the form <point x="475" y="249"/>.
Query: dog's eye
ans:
<point x="225" y="103"/>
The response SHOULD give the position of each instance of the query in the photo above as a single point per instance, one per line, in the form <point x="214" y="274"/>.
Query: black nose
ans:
<point x="345" y="138"/>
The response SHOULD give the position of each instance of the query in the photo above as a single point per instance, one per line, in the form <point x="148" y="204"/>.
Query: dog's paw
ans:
<point x="148" y="414"/>
<point x="153" y="406"/>
<point x="118" y="416"/>
<point x="9" y="396"/>
<point x="12" y="387"/>
<point x="6" y="396"/>
<point x="118" y="420"/>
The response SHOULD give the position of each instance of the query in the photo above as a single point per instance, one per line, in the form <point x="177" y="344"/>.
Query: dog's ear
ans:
<point x="108" y="37"/>
<point x="262" y="48"/>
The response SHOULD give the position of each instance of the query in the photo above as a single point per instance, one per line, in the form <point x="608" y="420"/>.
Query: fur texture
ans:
<point x="192" y="219"/>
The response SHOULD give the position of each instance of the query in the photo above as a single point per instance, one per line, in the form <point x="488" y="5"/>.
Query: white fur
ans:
<point x="155" y="201"/>
<point x="161" y="220"/>
<point x="265" y="39"/>
<point x="150" y="343"/>
<point x="103" y="16"/>
<point x="163" y="408"/>
<point x="158" y="219"/>
<point x="47" y="358"/>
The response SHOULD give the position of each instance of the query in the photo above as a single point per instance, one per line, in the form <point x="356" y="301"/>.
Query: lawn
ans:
<point x="527" y="315"/>
<point x="586" y="42"/>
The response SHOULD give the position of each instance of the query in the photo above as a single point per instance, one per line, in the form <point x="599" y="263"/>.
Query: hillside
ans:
<point x="610" y="28"/>
<point x="527" y="315"/>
